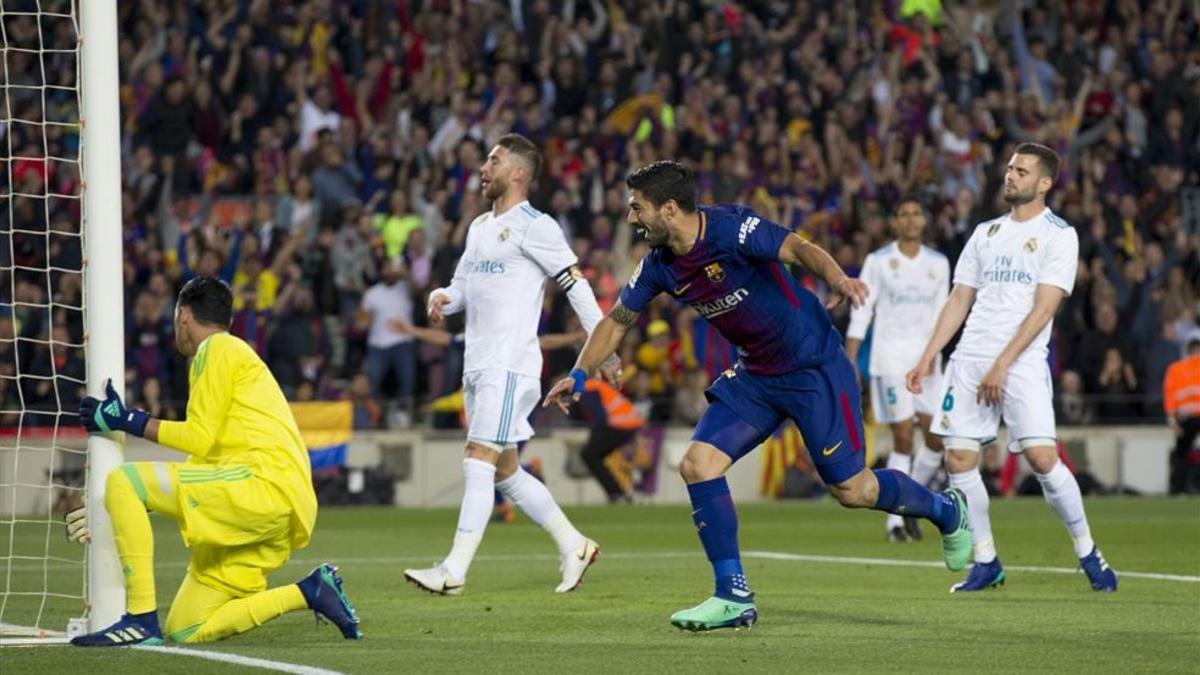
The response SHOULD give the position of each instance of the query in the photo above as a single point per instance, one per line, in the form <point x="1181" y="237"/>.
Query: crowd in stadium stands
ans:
<point x="322" y="157"/>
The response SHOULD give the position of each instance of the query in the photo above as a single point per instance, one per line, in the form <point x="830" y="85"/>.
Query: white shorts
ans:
<point x="498" y="403"/>
<point x="892" y="402"/>
<point x="1027" y="407"/>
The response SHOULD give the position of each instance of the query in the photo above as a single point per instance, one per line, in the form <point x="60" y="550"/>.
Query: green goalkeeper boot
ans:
<point x="716" y="613"/>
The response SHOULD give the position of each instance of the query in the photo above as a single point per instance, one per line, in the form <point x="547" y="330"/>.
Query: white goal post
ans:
<point x="104" y="310"/>
<point x="61" y="298"/>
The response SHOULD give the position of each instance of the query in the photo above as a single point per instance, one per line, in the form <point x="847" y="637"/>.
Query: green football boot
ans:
<point x="956" y="546"/>
<point x="716" y="613"/>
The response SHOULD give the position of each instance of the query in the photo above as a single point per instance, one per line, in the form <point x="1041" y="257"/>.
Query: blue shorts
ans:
<point x="823" y="401"/>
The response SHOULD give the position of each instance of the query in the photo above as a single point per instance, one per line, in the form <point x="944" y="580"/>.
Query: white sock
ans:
<point x="971" y="484"/>
<point x="903" y="464"/>
<point x="535" y="501"/>
<point x="473" y="515"/>
<point x="1062" y="493"/>
<point x="926" y="465"/>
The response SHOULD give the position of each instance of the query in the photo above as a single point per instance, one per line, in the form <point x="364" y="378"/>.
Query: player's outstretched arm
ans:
<point x="601" y="344"/>
<point x="818" y="261"/>
<point x="954" y="312"/>
<point x="862" y="316"/>
<point x="1046" y="300"/>
<point x="208" y="404"/>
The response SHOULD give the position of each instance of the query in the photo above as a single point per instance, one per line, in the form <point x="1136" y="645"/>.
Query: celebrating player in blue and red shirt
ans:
<point x="728" y="264"/>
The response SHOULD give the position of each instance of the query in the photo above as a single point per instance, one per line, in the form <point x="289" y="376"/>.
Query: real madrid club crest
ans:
<point x="894" y="264"/>
<point x="505" y="234"/>
<point x="1031" y="245"/>
<point x="993" y="229"/>
<point x="932" y="275"/>
<point x="715" y="273"/>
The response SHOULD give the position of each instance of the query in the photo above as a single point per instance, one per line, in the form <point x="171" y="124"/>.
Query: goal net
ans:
<point x="46" y="270"/>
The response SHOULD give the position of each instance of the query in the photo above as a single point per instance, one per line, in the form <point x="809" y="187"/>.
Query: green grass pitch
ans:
<point x="816" y="615"/>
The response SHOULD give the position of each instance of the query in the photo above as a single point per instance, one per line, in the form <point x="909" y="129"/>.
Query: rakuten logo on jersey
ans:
<point x="720" y="306"/>
<point x="485" y="267"/>
<point x="747" y="228"/>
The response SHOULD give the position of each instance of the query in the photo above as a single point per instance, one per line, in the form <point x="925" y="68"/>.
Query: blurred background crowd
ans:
<point x="322" y="157"/>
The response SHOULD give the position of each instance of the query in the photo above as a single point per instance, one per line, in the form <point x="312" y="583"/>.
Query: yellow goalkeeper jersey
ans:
<point x="237" y="416"/>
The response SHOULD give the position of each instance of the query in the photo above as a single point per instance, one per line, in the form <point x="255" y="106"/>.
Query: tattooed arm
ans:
<point x="601" y="344"/>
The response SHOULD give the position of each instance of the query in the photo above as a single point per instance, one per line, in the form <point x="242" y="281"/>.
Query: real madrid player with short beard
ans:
<point x="500" y="281"/>
<point x="1011" y="278"/>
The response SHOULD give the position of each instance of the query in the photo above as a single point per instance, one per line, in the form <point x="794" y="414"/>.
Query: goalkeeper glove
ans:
<point x="77" y="527"/>
<point x="111" y="414"/>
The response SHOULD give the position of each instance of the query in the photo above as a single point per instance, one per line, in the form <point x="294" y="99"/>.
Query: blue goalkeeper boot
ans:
<point x="131" y="629"/>
<point x="1099" y="574"/>
<point x="322" y="589"/>
<point x="982" y="576"/>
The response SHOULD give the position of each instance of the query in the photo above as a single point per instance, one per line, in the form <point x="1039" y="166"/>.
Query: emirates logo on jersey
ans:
<point x="1031" y="245"/>
<point x="993" y="229"/>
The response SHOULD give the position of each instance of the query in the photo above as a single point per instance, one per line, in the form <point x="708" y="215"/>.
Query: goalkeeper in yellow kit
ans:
<point x="243" y="499"/>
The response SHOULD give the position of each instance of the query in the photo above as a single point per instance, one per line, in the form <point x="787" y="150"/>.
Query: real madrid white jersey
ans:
<point x="1005" y="260"/>
<point x="906" y="296"/>
<point x="502" y="276"/>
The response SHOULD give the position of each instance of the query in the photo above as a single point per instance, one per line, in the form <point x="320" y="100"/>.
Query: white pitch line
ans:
<point x="800" y="557"/>
<point x="761" y="555"/>
<point x="58" y="638"/>
<point x="278" y="666"/>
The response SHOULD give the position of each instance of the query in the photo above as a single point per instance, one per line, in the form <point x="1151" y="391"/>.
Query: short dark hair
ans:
<point x="1047" y="159"/>
<point x="665" y="180"/>
<point x="526" y="150"/>
<point x="910" y="197"/>
<point x="1193" y="345"/>
<point x="210" y="300"/>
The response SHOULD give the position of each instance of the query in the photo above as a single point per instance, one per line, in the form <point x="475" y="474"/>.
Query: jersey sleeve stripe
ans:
<point x="788" y="292"/>
<point x="1057" y="221"/>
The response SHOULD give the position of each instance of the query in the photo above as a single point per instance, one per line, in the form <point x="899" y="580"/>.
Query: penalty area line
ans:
<point x="761" y="555"/>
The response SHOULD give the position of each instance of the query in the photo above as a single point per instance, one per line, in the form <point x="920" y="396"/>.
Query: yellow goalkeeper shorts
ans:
<point x="238" y="525"/>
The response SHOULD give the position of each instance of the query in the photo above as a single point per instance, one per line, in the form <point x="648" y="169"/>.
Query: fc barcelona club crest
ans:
<point x="1031" y="245"/>
<point x="993" y="229"/>
<point x="715" y="273"/>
